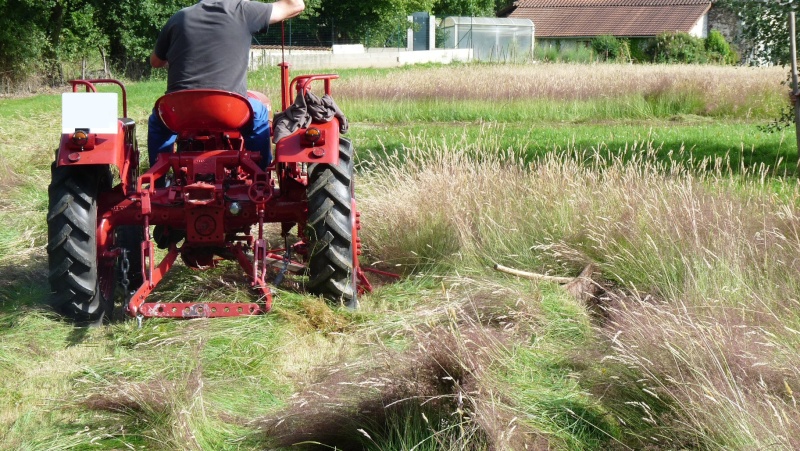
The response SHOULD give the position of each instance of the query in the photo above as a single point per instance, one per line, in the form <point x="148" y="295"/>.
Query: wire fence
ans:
<point x="488" y="40"/>
<point x="294" y="33"/>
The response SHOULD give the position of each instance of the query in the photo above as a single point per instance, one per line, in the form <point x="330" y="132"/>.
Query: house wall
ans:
<point x="563" y="43"/>
<point x="700" y="29"/>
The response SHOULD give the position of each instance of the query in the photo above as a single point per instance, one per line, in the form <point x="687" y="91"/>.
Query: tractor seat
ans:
<point x="202" y="111"/>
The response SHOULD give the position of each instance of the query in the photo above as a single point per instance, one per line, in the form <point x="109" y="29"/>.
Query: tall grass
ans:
<point x="722" y="90"/>
<point x="614" y="91"/>
<point x="706" y="261"/>
<point x="692" y="344"/>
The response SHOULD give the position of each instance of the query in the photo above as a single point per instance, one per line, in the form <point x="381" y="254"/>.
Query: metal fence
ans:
<point x="299" y="33"/>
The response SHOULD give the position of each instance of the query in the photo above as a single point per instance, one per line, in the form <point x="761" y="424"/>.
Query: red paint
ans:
<point x="189" y="310"/>
<point x="209" y="172"/>
<point x="196" y="112"/>
<point x="295" y="148"/>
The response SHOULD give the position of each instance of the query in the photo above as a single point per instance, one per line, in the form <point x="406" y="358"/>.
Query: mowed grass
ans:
<point x="658" y="176"/>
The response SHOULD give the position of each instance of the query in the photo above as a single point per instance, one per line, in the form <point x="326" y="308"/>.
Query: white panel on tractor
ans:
<point x="96" y="111"/>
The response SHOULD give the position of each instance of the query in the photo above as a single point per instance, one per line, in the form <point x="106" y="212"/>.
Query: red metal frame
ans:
<point x="90" y="86"/>
<point x="118" y="150"/>
<point x="218" y="193"/>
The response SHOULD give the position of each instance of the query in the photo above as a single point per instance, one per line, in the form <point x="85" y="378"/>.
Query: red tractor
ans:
<point x="209" y="200"/>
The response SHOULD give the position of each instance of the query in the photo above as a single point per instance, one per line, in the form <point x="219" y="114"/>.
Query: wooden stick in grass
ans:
<point x="583" y="287"/>
<point x="533" y="275"/>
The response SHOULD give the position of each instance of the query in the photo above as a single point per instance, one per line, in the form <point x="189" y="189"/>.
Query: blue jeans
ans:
<point x="160" y="139"/>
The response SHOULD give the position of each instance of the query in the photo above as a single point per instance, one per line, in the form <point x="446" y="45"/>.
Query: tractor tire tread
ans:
<point x="329" y="195"/>
<point x="72" y="253"/>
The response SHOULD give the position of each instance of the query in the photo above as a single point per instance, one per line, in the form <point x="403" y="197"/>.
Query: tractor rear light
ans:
<point x="313" y="137"/>
<point x="313" y="134"/>
<point x="81" y="139"/>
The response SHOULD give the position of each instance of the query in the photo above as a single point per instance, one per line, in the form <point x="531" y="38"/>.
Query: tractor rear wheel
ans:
<point x="82" y="287"/>
<point x="330" y="229"/>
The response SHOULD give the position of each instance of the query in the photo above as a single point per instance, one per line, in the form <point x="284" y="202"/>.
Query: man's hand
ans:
<point x="286" y="9"/>
<point x="156" y="61"/>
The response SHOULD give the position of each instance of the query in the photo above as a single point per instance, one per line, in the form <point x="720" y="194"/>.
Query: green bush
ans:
<point x="577" y="55"/>
<point x="570" y="55"/>
<point x="639" y="50"/>
<point x="719" y="51"/>
<point x="547" y="55"/>
<point x="607" y="47"/>
<point x="684" y="48"/>
<point x="679" y="48"/>
<point x="624" y="51"/>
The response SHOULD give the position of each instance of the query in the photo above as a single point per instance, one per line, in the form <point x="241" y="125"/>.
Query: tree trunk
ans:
<point x="106" y="71"/>
<point x="55" y="26"/>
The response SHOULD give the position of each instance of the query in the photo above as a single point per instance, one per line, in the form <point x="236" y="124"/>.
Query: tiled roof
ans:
<point x="574" y="3"/>
<point x="584" y="18"/>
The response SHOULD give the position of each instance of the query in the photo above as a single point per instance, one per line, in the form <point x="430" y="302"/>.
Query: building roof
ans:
<point x="630" y="18"/>
<point x="450" y="21"/>
<point x="574" y="3"/>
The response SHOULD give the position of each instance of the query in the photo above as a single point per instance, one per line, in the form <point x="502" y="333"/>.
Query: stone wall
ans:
<point x="725" y="20"/>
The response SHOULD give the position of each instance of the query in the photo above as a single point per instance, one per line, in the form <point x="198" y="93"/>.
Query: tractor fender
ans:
<point x="297" y="148"/>
<point x="101" y="148"/>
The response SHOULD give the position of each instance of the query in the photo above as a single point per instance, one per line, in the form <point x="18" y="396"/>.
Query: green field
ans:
<point x="663" y="179"/>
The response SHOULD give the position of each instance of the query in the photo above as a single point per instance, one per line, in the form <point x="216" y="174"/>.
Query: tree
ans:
<point x="476" y="8"/>
<point x="38" y="36"/>
<point x="607" y="47"/>
<point x="23" y="39"/>
<point x="356" y="20"/>
<point x="764" y="24"/>
<point x="132" y="27"/>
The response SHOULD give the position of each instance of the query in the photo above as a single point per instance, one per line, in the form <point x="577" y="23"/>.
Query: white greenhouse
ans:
<point x="490" y="38"/>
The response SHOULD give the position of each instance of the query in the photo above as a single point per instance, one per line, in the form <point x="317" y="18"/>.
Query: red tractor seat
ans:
<point x="203" y="111"/>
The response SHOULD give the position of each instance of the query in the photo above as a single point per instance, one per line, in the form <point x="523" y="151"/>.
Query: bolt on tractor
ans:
<point x="208" y="200"/>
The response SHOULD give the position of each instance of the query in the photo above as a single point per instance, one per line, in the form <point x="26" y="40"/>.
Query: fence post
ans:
<point x="793" y="48"/>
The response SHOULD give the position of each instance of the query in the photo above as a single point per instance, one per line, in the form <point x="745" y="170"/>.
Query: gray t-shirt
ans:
<point x="207" y="44"/>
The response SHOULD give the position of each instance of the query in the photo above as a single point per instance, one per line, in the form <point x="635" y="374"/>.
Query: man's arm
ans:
<point x="286" y="9"/>
<point x="157" y="62"/>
